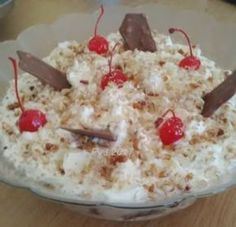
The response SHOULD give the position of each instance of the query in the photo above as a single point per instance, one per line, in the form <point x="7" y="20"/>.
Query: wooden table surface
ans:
<point x="22" y="209"/>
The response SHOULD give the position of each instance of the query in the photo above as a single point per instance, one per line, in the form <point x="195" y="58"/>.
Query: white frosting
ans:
<point x="153" y="82"/>
<point x="64" y="45"/>
<point x="128" y="172"/>
<point x="74" y="162"/>
<point x="86" y="113"/>
<point x="121" y="132"/>
<point x="80" y="71"/>
<point x="195" y="127"/>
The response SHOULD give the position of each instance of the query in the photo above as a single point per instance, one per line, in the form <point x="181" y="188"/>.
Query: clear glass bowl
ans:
<point x="217" y="40"/>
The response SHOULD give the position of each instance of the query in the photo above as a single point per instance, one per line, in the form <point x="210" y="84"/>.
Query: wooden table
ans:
<point x="22" y="209"/>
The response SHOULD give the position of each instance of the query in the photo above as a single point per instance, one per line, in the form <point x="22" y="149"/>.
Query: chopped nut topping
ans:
<point x="165" y="78"/>
<point x="135" y="142"/>
<point x="62" y="171"/>
<point x="31" y="88"/>
<point x="136" y="154"/>
<point x="167" y="157"/>
<point x="163" y="174"/>
<point x="210" y="79"/>
<point x="161" y="63"/>
<point x="51" y="147"/>
<point x="139" y="105"/>
<point x="151" y="107"/>
<point x="220" y="132"/>
<point x="115" y="158"/>
<point x="106" y="171"/>
<point x="194" y="85"/>
<point x="151" y="171"/>
<point x="136" y="80"/>
<point x="7" y="128"/>
<point x="85" y="143"/>
<point x="180" y="51"/>
<point x="62" y="139"/>
<point x="152" y="94"/>
<point x="189" y="176"/>
<point x="187" y="188"/>
<point x="13" y="106"/>
<point x="150" y="188"/>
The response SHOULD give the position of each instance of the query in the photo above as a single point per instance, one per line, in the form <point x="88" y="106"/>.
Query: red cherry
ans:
<point x="98" y="43"/>
<point x="30" y="120"/>
<point x="190" y="62"/>
<point x="116" y="76"/>
<point x="171" y="130"/>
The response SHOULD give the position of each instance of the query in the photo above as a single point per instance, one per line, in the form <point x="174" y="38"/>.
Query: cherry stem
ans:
<point x="160" y="120"/>
<point x="111" y="58"/>
<point x="15" y="68"/>
<point x="98" y="20"/>
<point x="168" y="111"/>
<point x="172" y="30"/>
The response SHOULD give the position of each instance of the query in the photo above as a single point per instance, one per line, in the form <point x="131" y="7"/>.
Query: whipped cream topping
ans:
<point x="137" y="167"/>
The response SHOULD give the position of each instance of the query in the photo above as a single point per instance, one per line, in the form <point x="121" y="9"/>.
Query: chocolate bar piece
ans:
<point x="43" y="71"/>
<point x="101" y="134"/>
<point x="136" y="33"/>
<point x="219" y="95"/>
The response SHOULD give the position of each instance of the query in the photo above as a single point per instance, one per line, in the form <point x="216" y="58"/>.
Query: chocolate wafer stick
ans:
<point x="43" y="71"/>
<point x="221" y="94"/>
<point x="101" y="134"/>
<point x="136" y="33"/>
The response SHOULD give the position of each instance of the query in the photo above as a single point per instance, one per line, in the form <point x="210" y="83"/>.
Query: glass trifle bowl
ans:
<point x="216" y="40"/>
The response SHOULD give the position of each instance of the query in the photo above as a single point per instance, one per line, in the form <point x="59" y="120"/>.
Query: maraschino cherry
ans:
<point x="30" y="120"/>
<point x="98" y="43"/>
<point x="190" y="62"/>
<point x="170" y="130"/>
<point x="116" y="76"/>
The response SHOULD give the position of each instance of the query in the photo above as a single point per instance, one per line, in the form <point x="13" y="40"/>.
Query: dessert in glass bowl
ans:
<point x="132" y="117"/>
